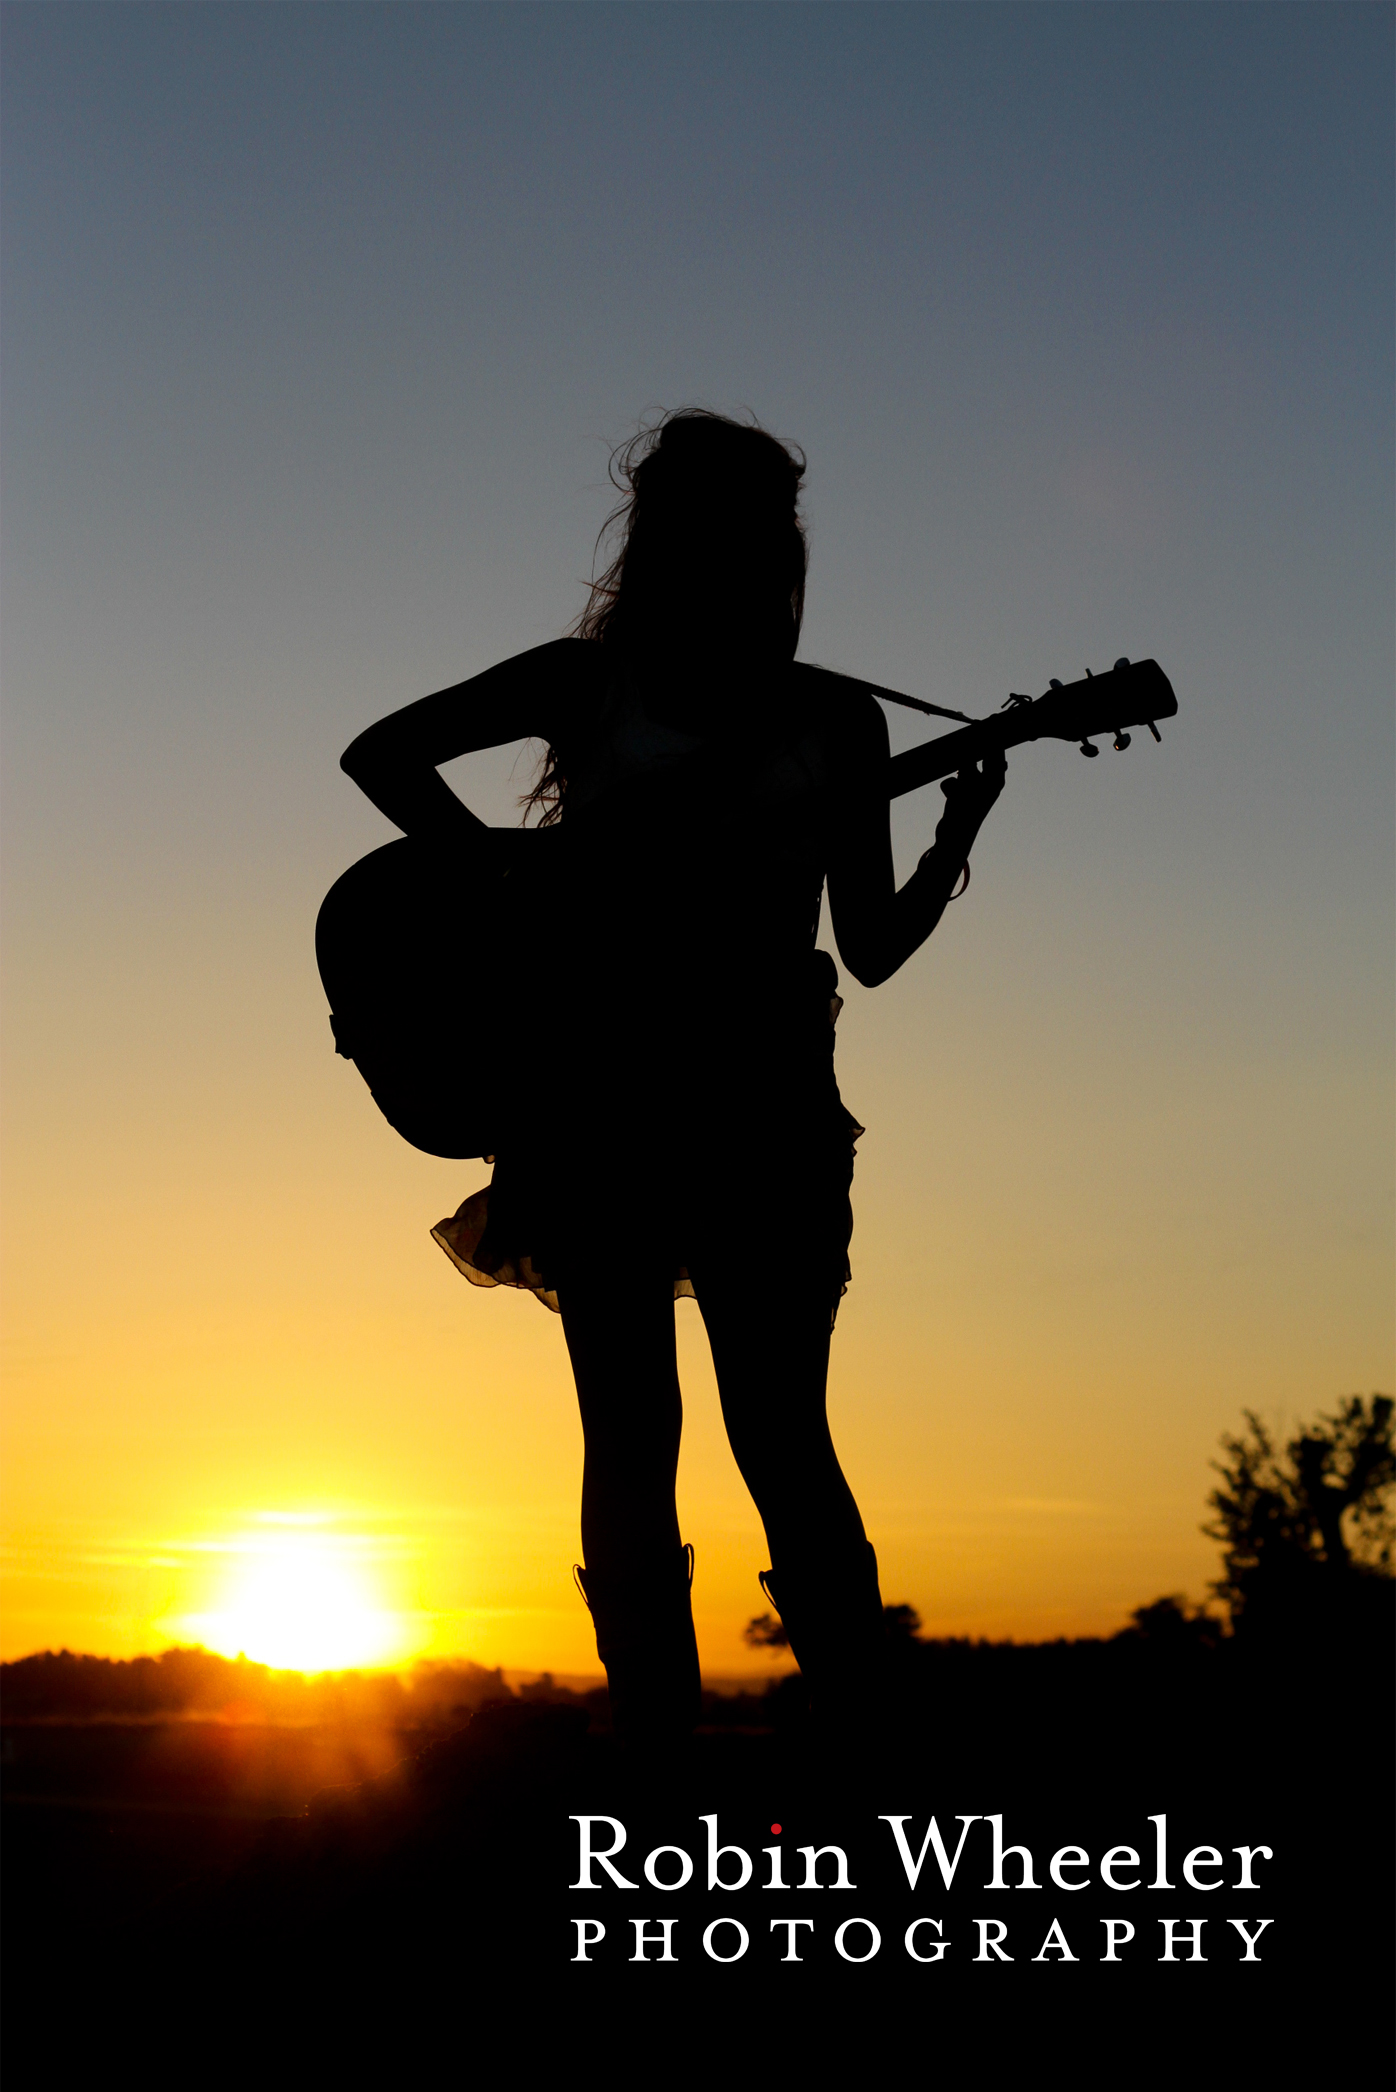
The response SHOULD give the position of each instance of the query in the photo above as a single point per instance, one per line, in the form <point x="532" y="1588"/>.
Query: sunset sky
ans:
<point x="319" y="325"/>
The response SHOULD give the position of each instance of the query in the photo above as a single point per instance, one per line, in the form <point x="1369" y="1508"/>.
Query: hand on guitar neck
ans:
<point x="969" y="795"/>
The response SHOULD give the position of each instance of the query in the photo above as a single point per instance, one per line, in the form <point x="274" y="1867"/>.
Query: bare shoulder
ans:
<point x="562" y="668"/>
<point x="549" y="691"/>
<point x="569" y="677"/>
<point x="575" y="659"/>
<point x="849" y="717"/>
<point x="552" y="690"/>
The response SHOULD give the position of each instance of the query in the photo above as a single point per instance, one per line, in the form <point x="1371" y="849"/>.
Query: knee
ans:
<point x="783" y="1471"/>
<point x="633" y="1434"/>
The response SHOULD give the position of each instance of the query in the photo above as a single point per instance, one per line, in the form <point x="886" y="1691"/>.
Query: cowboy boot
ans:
<point x="645" y="1638"/>
<point x="832" y="1614"/>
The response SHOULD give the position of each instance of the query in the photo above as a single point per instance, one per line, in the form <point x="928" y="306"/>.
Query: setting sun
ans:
<point x="300" y="1599"/>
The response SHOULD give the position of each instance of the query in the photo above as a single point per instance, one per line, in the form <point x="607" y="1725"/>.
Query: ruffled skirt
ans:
<point x="778" y="1205"/>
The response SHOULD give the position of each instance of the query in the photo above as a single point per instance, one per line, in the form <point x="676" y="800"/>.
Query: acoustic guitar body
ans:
<point x="425" y="983"/>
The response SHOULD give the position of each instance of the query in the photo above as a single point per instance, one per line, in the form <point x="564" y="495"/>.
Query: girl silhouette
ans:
<point x="674" y="1123"/>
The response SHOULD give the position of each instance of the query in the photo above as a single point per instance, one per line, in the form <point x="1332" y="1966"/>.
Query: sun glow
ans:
<point x="300" y="1598"/>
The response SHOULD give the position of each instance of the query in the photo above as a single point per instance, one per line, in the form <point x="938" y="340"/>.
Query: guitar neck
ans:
<point x="969" y="744"/>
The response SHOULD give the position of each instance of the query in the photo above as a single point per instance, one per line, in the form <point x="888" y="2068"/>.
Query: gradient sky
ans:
<point x="319" y="324"/>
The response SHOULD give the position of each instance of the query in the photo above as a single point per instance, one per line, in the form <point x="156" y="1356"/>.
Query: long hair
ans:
<point x="710" y="536"/>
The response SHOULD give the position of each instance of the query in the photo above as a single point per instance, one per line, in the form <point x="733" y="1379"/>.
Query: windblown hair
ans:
<point x="709" y="534"/>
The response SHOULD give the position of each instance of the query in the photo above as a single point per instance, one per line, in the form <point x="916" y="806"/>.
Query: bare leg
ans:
<point x="772" y="1362"/>
<point x="620" y="1335"/>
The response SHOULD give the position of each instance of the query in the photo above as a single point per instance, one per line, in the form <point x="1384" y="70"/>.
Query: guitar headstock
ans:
<point x="1131" y="694"/>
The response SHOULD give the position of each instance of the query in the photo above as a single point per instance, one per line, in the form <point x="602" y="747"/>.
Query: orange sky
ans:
<point x="1083" y="1244"/>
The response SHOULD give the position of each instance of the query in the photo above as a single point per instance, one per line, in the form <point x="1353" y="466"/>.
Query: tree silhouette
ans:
<point x="901" y="1623"/>
<point x="1170" y="1627"/>
<point x="1307" y="1532"/>
<point x="765" y="1632"/>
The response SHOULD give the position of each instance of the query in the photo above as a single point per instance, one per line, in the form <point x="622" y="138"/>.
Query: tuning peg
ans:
<point x="1088" y="749"/>
<point x="1123" y="661"/>
<point x="1122" y="739"/>
<point x="1153" y="729"/>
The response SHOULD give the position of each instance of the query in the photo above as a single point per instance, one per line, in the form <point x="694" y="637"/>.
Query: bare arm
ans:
<point x="395" y="761"/>
<point x="876" y="926"/>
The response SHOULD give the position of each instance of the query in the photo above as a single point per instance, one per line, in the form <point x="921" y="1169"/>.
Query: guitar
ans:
<point x="443" y="1055"/>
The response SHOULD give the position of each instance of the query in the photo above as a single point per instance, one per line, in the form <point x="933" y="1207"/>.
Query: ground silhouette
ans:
<point x="443" y="1872"/>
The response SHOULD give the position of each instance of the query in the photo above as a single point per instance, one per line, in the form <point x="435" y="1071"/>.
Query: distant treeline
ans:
<point x="196" y="1682"/>
<point x="1167" y="1643"/>
<point x="184" y="1682"/>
